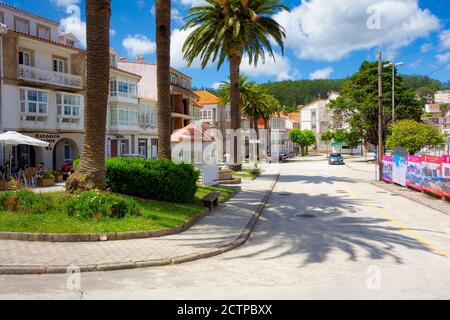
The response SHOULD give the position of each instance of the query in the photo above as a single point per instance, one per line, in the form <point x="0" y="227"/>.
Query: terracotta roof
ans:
<point x="47" y="41"/>
<point x="125" y="72"/>
<point x="206" y="97"/>
<point x="29" y="13"/>
<point x="294" y="116"/>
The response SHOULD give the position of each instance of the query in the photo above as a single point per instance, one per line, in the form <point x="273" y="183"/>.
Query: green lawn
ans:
<point x="248" y="173"/>
<point x="155" y="215"/>
<point x="224" y="192"/>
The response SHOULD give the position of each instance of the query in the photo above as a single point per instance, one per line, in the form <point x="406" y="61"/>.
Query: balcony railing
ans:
<point x="49" y="77"/>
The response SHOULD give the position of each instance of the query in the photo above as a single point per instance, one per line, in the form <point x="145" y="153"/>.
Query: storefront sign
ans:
<point x="50" y="138"/>
<point x="432" y="174"/>
<point x="387" y="169"/>
<point x="414" y="172"/>
<point x="446" y="175"/>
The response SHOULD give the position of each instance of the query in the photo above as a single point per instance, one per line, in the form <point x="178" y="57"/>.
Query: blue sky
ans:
<point x="325" y="38"/>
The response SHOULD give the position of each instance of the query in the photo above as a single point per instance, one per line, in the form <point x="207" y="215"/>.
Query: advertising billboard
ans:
<point x="446" y="175"/>
<point x="414" y="172"/>
<point x="387" y="169"/>
<point x="399" y="170"/>
<point x="432" y="174"/>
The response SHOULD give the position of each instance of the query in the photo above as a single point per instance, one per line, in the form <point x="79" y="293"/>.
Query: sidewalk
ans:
<point x="415" y="196"/>
<point x="225" y="229"/>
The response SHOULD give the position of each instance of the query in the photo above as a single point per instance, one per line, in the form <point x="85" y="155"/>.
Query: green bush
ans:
<point x="24" y="201"/>
<point x="152" y="179"/>
<point x="98" y="205"/>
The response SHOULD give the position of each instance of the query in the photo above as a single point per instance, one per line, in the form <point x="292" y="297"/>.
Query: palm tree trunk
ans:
<point x="163" y="8"/>
<point x="91" y="172"/>
<point x="235" y="101"/>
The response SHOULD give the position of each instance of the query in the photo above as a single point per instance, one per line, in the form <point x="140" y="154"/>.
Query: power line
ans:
<point x="439" y="69"/>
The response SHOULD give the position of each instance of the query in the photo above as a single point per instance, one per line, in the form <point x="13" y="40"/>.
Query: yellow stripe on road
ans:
<point x="400" y="225"/>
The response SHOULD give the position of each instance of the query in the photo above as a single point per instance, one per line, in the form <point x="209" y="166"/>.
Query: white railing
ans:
<point x="49" y="77"/>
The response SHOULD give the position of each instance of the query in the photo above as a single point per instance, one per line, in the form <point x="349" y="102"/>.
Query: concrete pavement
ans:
<point x="327" y="233"/>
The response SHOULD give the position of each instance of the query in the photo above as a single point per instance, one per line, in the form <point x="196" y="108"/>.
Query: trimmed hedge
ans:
<point x="152" y="179"/>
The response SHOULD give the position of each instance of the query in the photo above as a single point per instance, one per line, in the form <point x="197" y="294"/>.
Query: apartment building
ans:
<point x="316" y="117"/>
<point x="281" y="124"/>
<point x="182" y="97"/>
<point x="212" y="115"/>
<point x="43" y="88"/>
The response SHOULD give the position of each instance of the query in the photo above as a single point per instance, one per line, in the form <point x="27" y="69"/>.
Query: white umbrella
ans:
<point x="13" y="138"/>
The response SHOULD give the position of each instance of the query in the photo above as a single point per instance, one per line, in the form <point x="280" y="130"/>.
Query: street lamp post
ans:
<point x="393" y="65"/>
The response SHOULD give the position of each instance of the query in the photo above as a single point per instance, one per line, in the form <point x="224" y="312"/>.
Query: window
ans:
<point x="21" y="25"/>
<point x="123" y="88"/>
<point x="43" y="32"/>
<point x="25" y="58"/>
<point x="313" y="114"/>
<point x="174" y="79"/>
<point x="149" y="116"/>
<point x="185" y="84"/>
<point x="68" y="107"/>
<point x="113" y="60"/>
<point x="58" y="65"/>
<point x="196" y="113"/>
<point x="70" y="43"/>
<point x="124" y="147"/>
<point x="206" y="115"/>
<point x="34" y="103"/>
<point x="67" y="153"/>
<point x="124" y="116"/>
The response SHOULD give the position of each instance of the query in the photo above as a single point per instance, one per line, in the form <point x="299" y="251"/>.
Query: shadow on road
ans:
<point x="316" y="225"/>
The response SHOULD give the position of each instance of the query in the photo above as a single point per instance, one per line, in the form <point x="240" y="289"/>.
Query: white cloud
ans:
<point x="112" y="32"/>
<point x="140" y="4"/>
<point x="176" y="16"/>
<point x="443" y="57"/>
<point x="137" y="45"/>
<point x="192" y="3"/>
<point x="65" y="3"/>
<point x="280" y="68"/>
<point x="330" y="30"/>
<point x="176" y="49"/>
<point x="321" y="73"/>
<point x="444" y="37"/>
<point x="74" y="24"/>
<point x="216" y="85"/>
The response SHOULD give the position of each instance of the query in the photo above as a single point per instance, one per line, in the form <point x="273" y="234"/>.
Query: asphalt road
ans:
<point x="326" y="234"/>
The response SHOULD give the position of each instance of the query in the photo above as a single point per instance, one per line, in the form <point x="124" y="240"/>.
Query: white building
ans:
<point x="212" y="114"/>
<point x="316" y="117"/>
<point x="42" y="89"/>
<point x="442" y="97"/>
<point x="182" y="97"/>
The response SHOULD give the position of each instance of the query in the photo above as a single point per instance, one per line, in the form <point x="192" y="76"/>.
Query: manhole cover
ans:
<point x="284" y="194"/>
<point x="306" y="216"/>
<point x="394" y="195"/>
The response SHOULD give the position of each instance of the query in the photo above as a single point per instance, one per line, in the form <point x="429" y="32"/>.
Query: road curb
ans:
<point x="239" y="241"/>
<point x="412" y="198"/>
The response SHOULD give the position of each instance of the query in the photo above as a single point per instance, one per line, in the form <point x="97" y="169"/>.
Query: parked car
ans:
<point x="336" y="158"/>
<point x="134" y="156"/>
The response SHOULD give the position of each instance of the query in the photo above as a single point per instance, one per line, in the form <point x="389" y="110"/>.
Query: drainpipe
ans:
<point x="3" y="31"/>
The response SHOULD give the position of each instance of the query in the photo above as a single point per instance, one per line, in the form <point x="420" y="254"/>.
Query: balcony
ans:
<point x="70" y="123"/>
<point x="48" y="77"/>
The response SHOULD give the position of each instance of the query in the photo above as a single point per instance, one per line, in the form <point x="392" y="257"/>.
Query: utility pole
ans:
<point x="380" y="117"/>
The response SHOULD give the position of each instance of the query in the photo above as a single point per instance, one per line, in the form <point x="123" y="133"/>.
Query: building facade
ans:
<point x="315" y="116"/>
<point x="212" y="115"/>
<point x="442" y="97"/>
<point x="182" y="97"/>
<point x="43" y="88"/>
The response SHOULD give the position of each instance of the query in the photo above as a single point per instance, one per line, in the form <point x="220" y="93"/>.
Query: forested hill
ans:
<point x="300" y="92"/>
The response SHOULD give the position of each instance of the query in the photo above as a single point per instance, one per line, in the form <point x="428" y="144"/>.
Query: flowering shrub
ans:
<point x="97" y="205"/>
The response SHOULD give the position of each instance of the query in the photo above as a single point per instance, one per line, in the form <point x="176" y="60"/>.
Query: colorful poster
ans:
<point x="399" y="170"/>
<point x="414" y="172"/>
<point x="387" y="169"/>
<point x="432" y="174"/>
<point x="446" y="175"/>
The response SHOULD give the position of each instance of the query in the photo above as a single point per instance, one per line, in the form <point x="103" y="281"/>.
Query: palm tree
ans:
<point x="228" y="29"/>
<point x="91" y="172"/>
<point x="255" y="103"/>
<point x="163" y="33"/>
